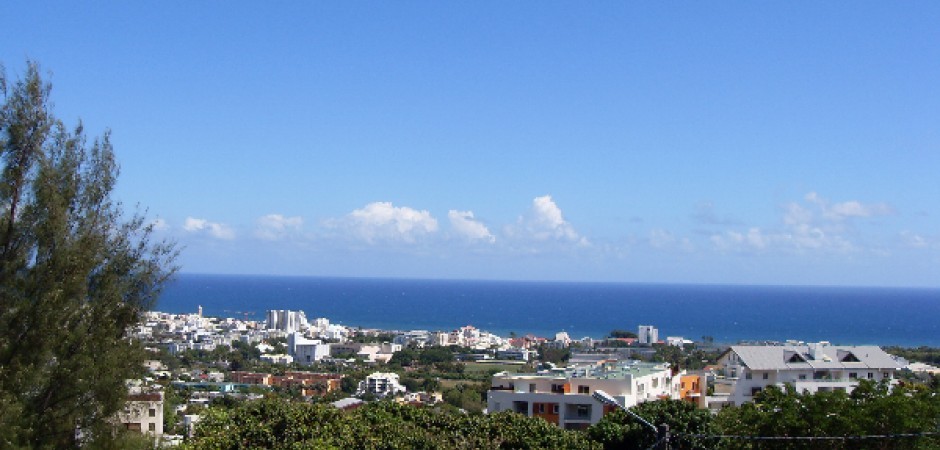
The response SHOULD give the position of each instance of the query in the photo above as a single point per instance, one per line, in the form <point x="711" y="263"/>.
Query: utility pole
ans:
<point x="663" y="436"/>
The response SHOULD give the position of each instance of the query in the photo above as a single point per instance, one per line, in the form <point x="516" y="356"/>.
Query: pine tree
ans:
<point x="75" y="274"/>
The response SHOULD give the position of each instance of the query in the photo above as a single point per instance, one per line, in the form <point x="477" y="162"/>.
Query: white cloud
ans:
<point x="813" y="225"/>
<point x="383" y="221"/>
<point x="545" y="222"/>
<point x="274" y="227"/>
<point x="216" y="230"/>
<point x="848" y="209"/>
<point x="465" y="224"/>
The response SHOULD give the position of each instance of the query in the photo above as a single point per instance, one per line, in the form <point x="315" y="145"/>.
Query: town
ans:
<point x="196" y="362"/>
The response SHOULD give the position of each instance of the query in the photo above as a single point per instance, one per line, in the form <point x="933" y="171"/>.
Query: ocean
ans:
<point x="728" y="313"/>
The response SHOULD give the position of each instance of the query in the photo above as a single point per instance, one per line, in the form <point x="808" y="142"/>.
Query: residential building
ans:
<point x="143" y="412"/>
<point x="647" y="334"/>
<point x="692" y="388"/>
<point x="286" y="320"/>
<point x="309" y="383"/>
<point x="306" y="351"/>
<point x="745" y="370"/>
<point x="381" y="385"/>
<point x="563" y="396"/>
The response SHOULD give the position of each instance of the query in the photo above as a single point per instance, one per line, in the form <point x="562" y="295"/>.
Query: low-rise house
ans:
<point x="563" y="396"/>
<point x="143" y="411"/>
<point x="745" y="370"/>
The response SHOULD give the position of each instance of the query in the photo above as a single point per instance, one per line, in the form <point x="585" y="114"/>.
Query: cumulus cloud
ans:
<point x="383" y="221"/>
<point x="467" y="226"/>
<point x="814" y="224"/>
<point x="545" y="222"/>
<point x="848" y="209"/>
<point x="216" y="230"/>
<point x="273" y="227"/>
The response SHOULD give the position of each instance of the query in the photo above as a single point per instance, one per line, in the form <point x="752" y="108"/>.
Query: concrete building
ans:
<point x="563" y="396"/>
<point x="143" y="412"/>
<point x="286" y="320"/>
<point x="745" y="370"/>
<point x="381" y="385"/>
<point x="306" y="351"/>
<point x="647" y="334"/>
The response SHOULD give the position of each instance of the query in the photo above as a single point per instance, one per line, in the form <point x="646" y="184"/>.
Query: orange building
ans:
<point x="692" y="389"/>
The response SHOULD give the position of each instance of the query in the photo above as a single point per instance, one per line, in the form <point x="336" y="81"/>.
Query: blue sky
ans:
<point x="726" y="142"/>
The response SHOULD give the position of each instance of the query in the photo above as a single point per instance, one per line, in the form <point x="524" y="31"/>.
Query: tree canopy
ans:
<point x="75" y="272"/>
<point x="275" y="423"/>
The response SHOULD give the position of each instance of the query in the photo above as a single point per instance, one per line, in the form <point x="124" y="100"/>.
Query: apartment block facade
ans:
<point x="746" y="370"/>
<point x="564" y="396"/>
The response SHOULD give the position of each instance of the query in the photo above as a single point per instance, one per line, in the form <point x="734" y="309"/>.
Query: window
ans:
<point x="802" y="376"/>
<point x="766" y="375"/>
<point x="584" y="389"/>
<point x="153" y="412"/>
<point x="755" y="390"/>
<point x="152" y="426"/>
<point x="531" y="387"/>
<point x="853" y="375"/>
<point x="541" y="408"/>
<point x="871" y="375"/>
<point x="555" y="408"/>
<point x="886" y="375"/>
<point x="558" y="388"/>
<point x="747" y="375"/>
<point x="583" y="411"/>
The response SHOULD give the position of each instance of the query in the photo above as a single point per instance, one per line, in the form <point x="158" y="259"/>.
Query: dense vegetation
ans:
<point x="75" y="273"/>
<point x="872" y="417"/>
<point x="275" y="423"/>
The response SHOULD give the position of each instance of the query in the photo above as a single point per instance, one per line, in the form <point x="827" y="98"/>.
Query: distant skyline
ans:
<point x="733" y="142"/>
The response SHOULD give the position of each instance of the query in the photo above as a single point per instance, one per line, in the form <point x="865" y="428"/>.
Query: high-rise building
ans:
<point x="285" y="320"/>
<point x="647" y="334"/>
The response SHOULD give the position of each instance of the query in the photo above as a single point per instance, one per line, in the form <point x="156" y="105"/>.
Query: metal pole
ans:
<point x="663" y="435"/>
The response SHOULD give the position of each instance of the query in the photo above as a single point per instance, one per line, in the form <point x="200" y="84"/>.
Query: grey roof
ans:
<point x="788" y="357"/>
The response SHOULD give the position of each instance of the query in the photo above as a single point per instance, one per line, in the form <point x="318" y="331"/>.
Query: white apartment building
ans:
<point x="748" y="369"/>
<point x="286" y="320"/>
<point x="564" y="396"/>
<point x="306" y="351"/>
<point x="381" y="384"/>
<point x="647" y="334"/>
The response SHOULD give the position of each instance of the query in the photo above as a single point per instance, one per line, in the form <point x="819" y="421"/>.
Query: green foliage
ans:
<point x="469" y="397"/>
<point x="554" y="355"/>
<point x="622" y="334"/>
<point x="924" y="354"/>
<point x="688" y="357"/>
<point x="619" y="430"/>
<point x="412" y="357"/>
<point x="276" y="424"/>
<point x="870" y="410"/>
<point x="75" y="273"/>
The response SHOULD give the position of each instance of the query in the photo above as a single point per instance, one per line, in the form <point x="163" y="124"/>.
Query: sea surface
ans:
<point x="728" y="313"/>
